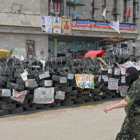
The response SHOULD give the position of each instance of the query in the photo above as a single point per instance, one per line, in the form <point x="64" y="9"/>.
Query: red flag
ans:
<point x="92" y="12"/>
<point x="129" y="12"/>
<point x="59" y="7"/>
<point x="104" y="11"/>
<point x="52" y="4"/>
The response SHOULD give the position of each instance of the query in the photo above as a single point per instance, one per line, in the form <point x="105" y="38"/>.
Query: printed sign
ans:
<point x="113" y="84"/>
<point x="70" y="76"/>
<point x="123" y="90"/>
<point x="5" y="93"/>
<point x="43" y="96"/>
<point x="57" y="25"/>
<point x="46" y="24"/>
<point x="85" y="80"/>
<point x="123" y="79"/>
<point x="117" y="71"/>
<point x="109" y="71"/>
<point x="41" y="76"/>
<point x="60" y="95"/>
<point x="105" y="78"/>
<point x="100" y="78"/>
<point x="19" y="96"/>
<point x="47" y="74"/>
<point x="66" y="25"/>
<point x="63" y="80"/>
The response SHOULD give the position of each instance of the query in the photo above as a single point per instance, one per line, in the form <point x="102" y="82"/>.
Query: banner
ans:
<point x="46" y="24"/>
<point x="57" y="25"/>
<point x="115" y="25"/>
<point x="66" y="25"/>
<point x="85" y="81"/>
<point x="102" y="25"/>
<point x="104" y="12"/>
<point x="19" y="96"/>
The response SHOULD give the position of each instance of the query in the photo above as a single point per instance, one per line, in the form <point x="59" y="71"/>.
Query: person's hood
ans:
<point x="133" y="75"/>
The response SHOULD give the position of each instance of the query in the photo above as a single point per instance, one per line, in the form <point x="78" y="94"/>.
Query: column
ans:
<point x="55" y="47"/>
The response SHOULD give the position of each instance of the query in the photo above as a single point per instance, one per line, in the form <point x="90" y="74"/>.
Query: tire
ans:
<point x="67" y="102"/>
<point x="74" y="92"/>
<point x="8" y="106"/>
<point x="17" y="110"/>
<point x="104" y="88"/>
<point x="79" y="101"/>
<point x="95" y="91"/>
<point x="97" y="84"/>
<point x="3" y="112"/>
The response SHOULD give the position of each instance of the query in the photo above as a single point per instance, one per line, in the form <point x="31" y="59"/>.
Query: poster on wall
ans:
<point x="66" y="25"/>
<point x="84" y="81"/>
<point x="43" y="23"/>
<point x="19" y="53"/>
<point x="57" y="25"/>
<point x="46" y="24"/>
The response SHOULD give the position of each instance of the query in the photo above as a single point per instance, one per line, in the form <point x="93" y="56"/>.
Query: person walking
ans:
<point x="131" y="126"/>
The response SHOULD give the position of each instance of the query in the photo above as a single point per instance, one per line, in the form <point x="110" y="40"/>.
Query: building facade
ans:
<point x="20" y="26"/>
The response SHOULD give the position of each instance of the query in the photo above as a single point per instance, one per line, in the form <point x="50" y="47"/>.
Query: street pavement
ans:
<point x="82" y="122"/>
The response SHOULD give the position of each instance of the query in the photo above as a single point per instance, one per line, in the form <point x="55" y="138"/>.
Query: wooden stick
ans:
<point x="99" y="58"/>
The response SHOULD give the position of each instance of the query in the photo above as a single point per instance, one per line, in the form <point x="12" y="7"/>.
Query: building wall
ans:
<point x="20" y="6"/>
<point x="23" y="14"/>
<point x="26" y="13"/>
<point x="120" y="16"/>
<point x="17" y="42"/>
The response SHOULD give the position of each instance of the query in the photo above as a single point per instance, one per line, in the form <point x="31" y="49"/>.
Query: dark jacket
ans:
<point x="133" y="99"/>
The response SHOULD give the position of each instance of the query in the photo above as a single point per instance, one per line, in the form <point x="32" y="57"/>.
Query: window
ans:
<point x="55" y="7"/>
<point x="51" y="47"/>
<point x="134" y="11"/>
<point x="103" y="4"/>
<point x="125" y="11"/>
<point x="71" y="11"/>
<point x="30" y="47"/>
<point x="114" y="12"/>
<point x="74" y="9"/>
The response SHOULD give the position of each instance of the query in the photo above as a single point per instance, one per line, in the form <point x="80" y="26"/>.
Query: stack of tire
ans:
<point x="60" y="74"/>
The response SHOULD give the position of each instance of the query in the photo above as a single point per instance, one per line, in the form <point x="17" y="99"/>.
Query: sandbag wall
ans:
<point x="59" y="74"/>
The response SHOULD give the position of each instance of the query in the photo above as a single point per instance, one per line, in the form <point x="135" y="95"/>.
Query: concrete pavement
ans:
<point x="86" y="122"/>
